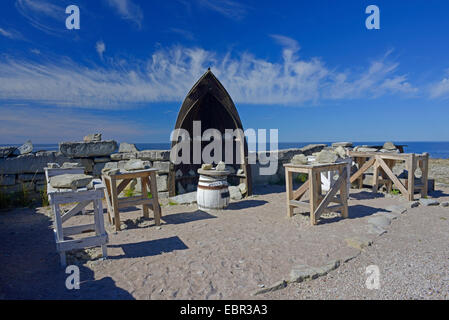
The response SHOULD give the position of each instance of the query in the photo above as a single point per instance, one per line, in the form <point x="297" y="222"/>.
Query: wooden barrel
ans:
<point x="213" y="192"/>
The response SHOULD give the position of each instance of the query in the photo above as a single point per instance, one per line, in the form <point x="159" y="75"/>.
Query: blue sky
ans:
<point x="309" y="68"/>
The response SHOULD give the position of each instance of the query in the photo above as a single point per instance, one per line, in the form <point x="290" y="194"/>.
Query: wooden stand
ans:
<point x="383" y="164"/>
<point x="148" y="180"/>
<point x="317" y="202"/>
<point x="82" y="197"/>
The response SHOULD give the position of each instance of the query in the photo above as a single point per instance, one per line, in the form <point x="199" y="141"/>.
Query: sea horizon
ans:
<point x="436" y="149"/>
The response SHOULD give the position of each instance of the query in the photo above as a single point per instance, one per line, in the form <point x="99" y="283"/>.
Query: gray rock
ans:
<point x="136" y="164"/>
<point x="365" y="149"/>
<point x="162" y="166"/>
<point x="162" y="182"/>
<point x="389" y="146"/>
<point x="300" y="273"/>
<point x="30" y="163"/>
<point x="67" y="165"/>
<point x="124" y="156"/>
<point x="341" y="152"/>
<point x="154" y="155"/>
<point x="206" y="166"/>
<point x="71" y="181"/>
<point x="7" y="180"/>
<point x="6" y="151"/>
<point x="380" y="221"/>
<point x="342" y="144"/>
<point x="127" y="147"/>
<point x="53" y="165"/>
<point x="26" y="148"/>
<point x="373" y="229"/>
<point x="326" y="156"/>
<point x="102" y="159"/>
<point x="413" y="204"/>
<point x="87" y="149"/>
<point x="186" y="198"/>
<point x="94" y="137"/>
<point x="428" y="202"/>
<point x="235" y="193"/>
<point x="242" y="188"/>
<point x="299" y="159"/>
<point x="444" y="204"/>
<point x="397" y="208"/>
<point x="221" y="166"/>
<point x="389" y="151"/>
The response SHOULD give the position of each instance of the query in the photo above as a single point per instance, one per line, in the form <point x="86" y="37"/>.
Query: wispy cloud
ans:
<point x="440" y="89"/>
<point x="286" y="42"/>
<point x="18" y="124"/>
<point x="11" y="34"/>
<point x="169" y="73"/>
<point x="128" y="10"/>
<point x="228" y="8"/>
<point x="43" y="14"/>
<point x="101" y="48"/>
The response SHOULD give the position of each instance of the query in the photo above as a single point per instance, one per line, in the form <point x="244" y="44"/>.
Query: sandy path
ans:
<point x="227" y="255"/>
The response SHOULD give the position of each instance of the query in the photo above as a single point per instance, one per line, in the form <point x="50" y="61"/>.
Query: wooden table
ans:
<point x="383" y="162"/>
<point x="82" y="197"/>
<point x="317" y="203"/>
<point x="148" y="180"/>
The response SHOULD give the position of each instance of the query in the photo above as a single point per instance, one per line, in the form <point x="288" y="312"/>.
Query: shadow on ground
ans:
<point x="185" y="217"/>
<point x="30" y="266"/>
<point x="149" y="248"/>
<point x="244" y="204"/>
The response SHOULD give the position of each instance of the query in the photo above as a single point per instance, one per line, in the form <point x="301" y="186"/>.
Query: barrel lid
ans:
<point x="214" y="172"/>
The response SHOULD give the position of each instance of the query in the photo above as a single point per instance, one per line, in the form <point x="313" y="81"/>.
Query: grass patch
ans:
<point x="301" y="178"/>
<point x="129" y="193"/>
<point x="395" y="192"/>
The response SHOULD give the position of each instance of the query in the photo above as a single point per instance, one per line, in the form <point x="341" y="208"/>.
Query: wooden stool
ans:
<point x="317" y="202"/>
<point x="82" y="197"/>
<point x="147" y="178"/>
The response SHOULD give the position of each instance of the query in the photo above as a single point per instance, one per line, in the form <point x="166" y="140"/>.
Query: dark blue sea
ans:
<point x="435" y="149"/>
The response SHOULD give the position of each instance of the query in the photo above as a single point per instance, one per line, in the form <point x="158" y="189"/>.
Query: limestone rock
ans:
<point x="389" y="146"/>
<point x="311" y="148"/>
<point x="26" y="148"/>
<point x="154" y="155"/>
<point x="242" y="188"/>
<point x="67" y="165"/>
<point x="93" y="137"/>
<point x="444" y="204"/>
<point x="87" y="149"/>
<point x="127" y="147"/>
<point x="364" y="149"/>
<point x="123" y="156"/>
<point x="6" y="151"/>
<point x="380" y="221"/>
<point x="161" y="166"/>
<point x="341" y="152"/>
<point x="71" y="181"/>
<point x="186" y="198"/>
<point x="413" y="204"/>
<point x="373" y="229"/>
<point x="53" y="165"/>
<point x="299" y="159"/>
<point x="235" y="193"/>
<point x="206" y="166"/>
<point x="342" y="144"/>
<point x="397" y="208"/>
<point x="220" y="166"/>
<point x="162" y="182"/>
<point x="326" y="156"/>
<point x="428" y="202"/>
<point x="136" y="164"/>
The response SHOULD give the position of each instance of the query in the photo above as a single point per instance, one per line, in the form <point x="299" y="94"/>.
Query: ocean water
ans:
<point x="438" y="149"/>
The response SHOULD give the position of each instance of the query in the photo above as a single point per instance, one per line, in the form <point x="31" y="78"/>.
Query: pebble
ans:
<point x="428" y="202"/>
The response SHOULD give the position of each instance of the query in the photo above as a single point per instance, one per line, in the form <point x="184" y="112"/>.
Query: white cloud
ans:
<point x="12" y="34"/>
<point x="228" y="8"/>
<point x="128" y="10"/>
<point x="169" y="74"/>
<point x="101" y="48"/>
<point x="43" y="15"/>
<point x="441" y="88"/>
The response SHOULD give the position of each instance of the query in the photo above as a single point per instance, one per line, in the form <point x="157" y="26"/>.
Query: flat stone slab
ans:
<point x="70" y="181"/>
<point x="87" y="149"/>
<point x="428" y="202"/>
<point x="380" y="221"/>
<point x="186" y="198"/>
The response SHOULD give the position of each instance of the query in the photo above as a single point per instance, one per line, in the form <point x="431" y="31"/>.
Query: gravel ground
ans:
<point x="232" y="254"/>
